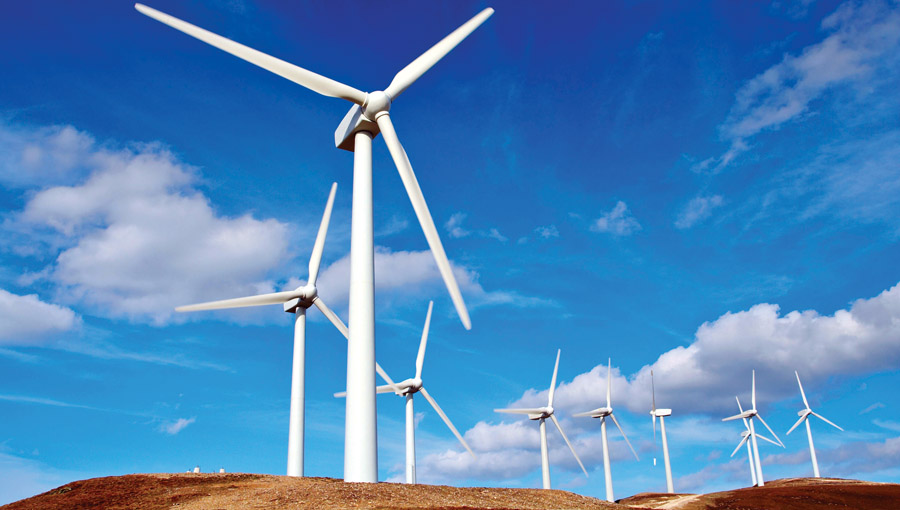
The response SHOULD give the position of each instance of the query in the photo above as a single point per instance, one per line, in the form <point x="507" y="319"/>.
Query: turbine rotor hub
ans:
<point x="377" y="104"/>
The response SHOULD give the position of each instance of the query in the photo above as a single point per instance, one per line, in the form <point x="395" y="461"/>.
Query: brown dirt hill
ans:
<point x="785" y="494"/>
<point x="189" y="491"/>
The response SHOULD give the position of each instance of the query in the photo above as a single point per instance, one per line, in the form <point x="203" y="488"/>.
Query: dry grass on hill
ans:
<point x="190" y="491"/>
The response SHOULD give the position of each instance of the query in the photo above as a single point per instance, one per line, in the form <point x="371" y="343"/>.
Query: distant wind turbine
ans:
<point x="804" y="417"/>
<point x="295" y="301"/>
<point x="542" y="413"/>
<point x="602" y="413"/>
<point x="661" y="414"/>
<point x="408" y="388"/>
<point x="749" y="415"/>
<point x="745" y="436"/>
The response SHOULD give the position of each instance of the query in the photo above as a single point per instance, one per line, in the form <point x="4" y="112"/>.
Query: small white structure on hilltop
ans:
<point x="749" y="415"/>
<point x="602" y="413"/>
<point x="197" y="469"/>
<point x="542" y="413"/>
<point x="804" y="417"/>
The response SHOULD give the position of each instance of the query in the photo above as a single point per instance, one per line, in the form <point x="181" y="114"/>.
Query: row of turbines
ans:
<point x="748" y="436"/>
<point x="368" y="117"/>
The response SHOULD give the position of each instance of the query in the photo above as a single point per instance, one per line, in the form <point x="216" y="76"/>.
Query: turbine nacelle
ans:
<point x="804" y="413"/>
<point x="306" y="294"/>
<point x="545" y="413"/>
<point x="661" y="412"/>
<point x="600" y="412"/>
<point x="409" y="386"/>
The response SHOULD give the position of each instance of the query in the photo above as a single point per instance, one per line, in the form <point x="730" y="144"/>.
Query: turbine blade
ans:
<point x="654" y="427"/>
<point x="339" y="324"/>
<point x="420" y="358"/>
<point x="387" y="388"/>
<point x="770" y="430"/>
<point x="425" y="220"/>
<point x="608" y="381"/>
<point x="653" y="392"/>
<point x="798" y="423"/>
<point x="333" y="317"/>
<point x="741" y="409"/>
<point x="536" y="410"/>
<point x="764" y="438"/>
<point x="802" y="394"/>
<point x="553" y="380"/>
<point x="415" y="69"/>
<point x="613" y="416"/>
<point x="437" y="408"/>
<point x="308" y="79"/>
<point x="340" y="394"/>
<point x="559" y="428"/>
<point x="753" y="392"/>
<point x="736" y="417"/>
<point x="586" y="413"/>
<point x="743" y="440"/>
<point x="316" y="258"/>
<point x="242" y="302"/>
<point x="819" y="416"/>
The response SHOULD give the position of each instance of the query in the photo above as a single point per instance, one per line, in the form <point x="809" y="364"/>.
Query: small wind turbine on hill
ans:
<point x="542" y="413"/>
<point x="408" y="388"/>
<point x="745" y="436"/>
<point x="602" y="413"/>
<point x="295" y="301"/>
<point x="749" y="415"/>
<point x="804" y="417"/>
<point x="661" y="414"/>
<point x="368" y="116"/>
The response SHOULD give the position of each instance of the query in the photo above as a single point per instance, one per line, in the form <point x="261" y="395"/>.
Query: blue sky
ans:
<point x="700" y="189"/>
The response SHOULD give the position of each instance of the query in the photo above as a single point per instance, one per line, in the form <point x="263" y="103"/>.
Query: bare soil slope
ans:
<point x="786" y="494"/>
<point x="190" y="491"/>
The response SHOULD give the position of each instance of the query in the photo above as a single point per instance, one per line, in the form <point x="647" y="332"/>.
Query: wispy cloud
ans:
<point x="173" y="427"/>
<point x="618" y="221"/>
<point x="697" y="210"/>
<point x="455" y="229"/>
<point x="876" y="405"/>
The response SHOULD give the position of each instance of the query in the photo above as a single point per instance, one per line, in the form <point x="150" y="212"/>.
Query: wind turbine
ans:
<point x="542" y="413"/>
<point x="295" y="301"/>
<point x="602" y="413"/>
<point x="661" y="414"/>
<point x="804" y="417"/>
<point x="745" y="436"/>
<point x="749" y="415"/>
<point x="408" y="388"/>
<point x="367" y="117"/>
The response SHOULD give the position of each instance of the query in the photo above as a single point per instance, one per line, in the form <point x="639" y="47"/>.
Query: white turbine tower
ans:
<point x="408" y="388"/>
<point x="749" y="415"/>
<point x="367" y="117"/>
<point x="542" y="413"/>
<point x="745" y="436"/>
<point x="602" y="413"/>
<point x="295" y="301"/>
<point x="804" y="417"/>
<point x="661" y="414"/>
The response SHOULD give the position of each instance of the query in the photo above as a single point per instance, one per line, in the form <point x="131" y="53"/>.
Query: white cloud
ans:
<point x="869" y="409"/>
<point x="698" y="209"/>
<point x="408" y="276"/>
<point x="26" y="320"/>
<point x="137" y="239"/>
<point x="618" y="221"/>
<point x="547" y="232"/>
<point x="44" y="156"/>
<point x="455" y="229"/>
<point x="862" y="38"/>
<point x="173" y="427"/>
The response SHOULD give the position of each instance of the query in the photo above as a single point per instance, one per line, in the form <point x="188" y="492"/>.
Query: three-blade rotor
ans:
<point x="375" y="107"/>
<point x="603" y="412"/>
<point x="805" y="413"/>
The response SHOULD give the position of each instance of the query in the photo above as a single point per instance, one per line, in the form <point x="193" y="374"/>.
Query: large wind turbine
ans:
<point x="745" y="436"/>
<point x="408" y="388"/>
<point x="367" y="117"/>
<point x="602" y="413"/>
<point x="542" y="413"/>
<point x="295" y="301"/>
<point x="749" y="415"/>
<point x="661" y="414"/>
<point x="804" y="417"/>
